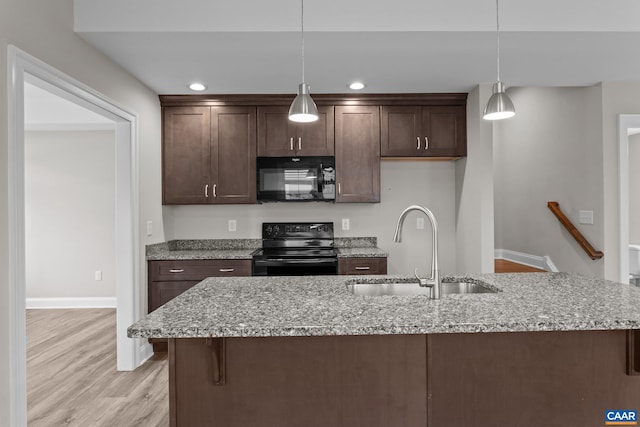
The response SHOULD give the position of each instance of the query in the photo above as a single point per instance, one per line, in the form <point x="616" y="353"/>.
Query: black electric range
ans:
<point x="296" y="249"/>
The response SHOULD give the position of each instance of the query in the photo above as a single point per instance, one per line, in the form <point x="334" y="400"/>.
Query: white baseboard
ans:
<point x="541" y="262"/>
<point x="98" y="302"/>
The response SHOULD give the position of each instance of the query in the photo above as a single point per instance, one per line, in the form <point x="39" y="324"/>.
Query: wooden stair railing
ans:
<point x="582" y="241"/>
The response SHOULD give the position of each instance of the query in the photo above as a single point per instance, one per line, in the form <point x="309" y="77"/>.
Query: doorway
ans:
<point x="69" y="204"/>
<point x="628" y="124"/>
<point x="130" y="353"/>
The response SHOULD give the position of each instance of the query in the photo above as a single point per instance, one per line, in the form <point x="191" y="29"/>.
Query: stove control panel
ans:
<point x="289" y="230"/>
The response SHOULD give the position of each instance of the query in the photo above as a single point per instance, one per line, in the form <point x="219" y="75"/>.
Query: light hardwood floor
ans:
<point x="72" y="378"/>
<point x="504" y="266"/>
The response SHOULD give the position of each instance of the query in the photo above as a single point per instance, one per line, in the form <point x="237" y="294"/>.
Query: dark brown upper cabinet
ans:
<point x="209" y="155"/>
<point x="357" y="153"/>
<point x="210" y="141"/>
<point x="420" y="131"/>
<point x="186" y="153"/>
<point x="280" y="137"/>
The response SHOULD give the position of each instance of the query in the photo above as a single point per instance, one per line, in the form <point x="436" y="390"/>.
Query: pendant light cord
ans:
<point x="498" y="38"/>
<point x="302" y="34"/>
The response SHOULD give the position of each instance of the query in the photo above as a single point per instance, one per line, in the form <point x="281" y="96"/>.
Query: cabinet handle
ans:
<point x="206" y="190"/>
<point x="426" y="143"/>
<point x="226" y="270"/>
<point x="176" y="270"/>
<point x="418" y="138"/>
<point x="339" y="189"/>
<point x="217" y="361"/>
<point x="362" y="268"/>
<point x="299" y="143"/>
<point x="291" y="143"/>
<point x="633" y="352"/>
<point x="215" y="186"/>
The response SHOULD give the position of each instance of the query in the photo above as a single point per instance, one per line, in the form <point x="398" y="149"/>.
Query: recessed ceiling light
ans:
<point x="198" y="87"/>
<point x="357" y="86"/>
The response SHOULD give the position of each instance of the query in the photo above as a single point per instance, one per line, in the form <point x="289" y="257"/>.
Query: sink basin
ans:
<point x="413" y="288"/>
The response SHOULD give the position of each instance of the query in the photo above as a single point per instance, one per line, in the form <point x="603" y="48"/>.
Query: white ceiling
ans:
<point x="253" y="46"/>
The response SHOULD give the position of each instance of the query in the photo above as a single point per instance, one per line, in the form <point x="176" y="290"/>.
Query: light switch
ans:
<point x="232" y="225"/>
<point x="420" y="223"/>
<point x="97" y="275"/>
<point x="345" y="223"/>
<point x="586" y="217"/>
<point x="149" y="228"/>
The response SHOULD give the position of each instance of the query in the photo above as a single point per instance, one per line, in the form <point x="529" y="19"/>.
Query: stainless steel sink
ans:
<point x="413" y="288"/>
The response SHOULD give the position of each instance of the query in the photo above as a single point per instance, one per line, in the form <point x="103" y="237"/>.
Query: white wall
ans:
<point x="474" y="190"/>
<point x="403" y="183"/>
<point x="550" y="151"/>
<point x="70" y="214"/>
<point x="45" y="30"/>
<point x="634" y="189"/>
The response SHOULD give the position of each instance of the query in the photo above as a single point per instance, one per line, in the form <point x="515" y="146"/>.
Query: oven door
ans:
<point x="273" y="266"/>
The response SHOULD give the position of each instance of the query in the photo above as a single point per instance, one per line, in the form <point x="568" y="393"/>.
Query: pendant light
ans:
<point x="303" y="109"/>
<point x="499" y="105"/>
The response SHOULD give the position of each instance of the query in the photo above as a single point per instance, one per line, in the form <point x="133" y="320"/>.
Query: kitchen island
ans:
<point x="546" y="349"/>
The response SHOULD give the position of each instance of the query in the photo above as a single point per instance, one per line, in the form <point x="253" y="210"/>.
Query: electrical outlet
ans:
<point x="420" y="223"/>
<point x="345" y="224"/>
<point x="586" y="217"/>
<point x="232" y="225"/>
<point x="149" y="228"/>
<point x="97" y="275"/>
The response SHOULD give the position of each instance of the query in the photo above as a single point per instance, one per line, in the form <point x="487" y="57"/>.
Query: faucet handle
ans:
<point x="422" y="282"/>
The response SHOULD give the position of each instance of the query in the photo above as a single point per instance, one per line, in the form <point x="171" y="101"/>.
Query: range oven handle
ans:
<point x="281" y="261"/>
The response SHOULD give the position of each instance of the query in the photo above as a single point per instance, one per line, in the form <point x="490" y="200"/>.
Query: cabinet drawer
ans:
<point x="177" y="270"/>
<point x="362" y="266"/>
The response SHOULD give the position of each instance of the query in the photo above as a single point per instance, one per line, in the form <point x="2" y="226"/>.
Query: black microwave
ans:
<point x="296" y="179"/>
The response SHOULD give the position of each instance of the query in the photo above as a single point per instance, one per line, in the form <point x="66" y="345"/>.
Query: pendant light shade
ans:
<point x="303" y="109"/>
<point x="499" y="105"/>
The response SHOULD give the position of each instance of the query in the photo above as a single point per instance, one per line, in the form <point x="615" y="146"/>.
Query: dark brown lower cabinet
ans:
<point x="532" y="379"/>
<point x="366" y="381"/>
<point x="169" y="278"/>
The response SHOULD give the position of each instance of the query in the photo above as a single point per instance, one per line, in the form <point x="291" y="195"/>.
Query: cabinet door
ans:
<point x="233" y="156"/>
<point x="401" y="132"/>
<point x="185" y="154"/>
<point x="357" y="142"/>
<point x="276" y="134"/>
<point x="316" y="138"/>
<point x="445" y="130"/>
<point x="280" y="137"/>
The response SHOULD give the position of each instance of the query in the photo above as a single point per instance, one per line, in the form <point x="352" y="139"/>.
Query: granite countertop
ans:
<point x="348" y="247"/>
<point x="321" y="305"/>
<point x="362" y="252"/>
<point x="203" y="249"/>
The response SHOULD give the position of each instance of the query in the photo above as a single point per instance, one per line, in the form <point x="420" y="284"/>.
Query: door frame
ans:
<point x="625" y="122"/>
<point x="130" y="353"/>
